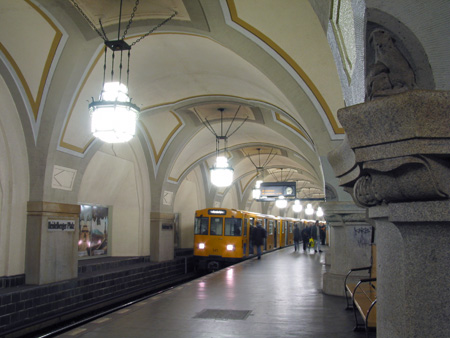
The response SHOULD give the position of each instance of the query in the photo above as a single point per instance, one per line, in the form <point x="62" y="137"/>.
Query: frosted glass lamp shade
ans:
<point x="221" y="173"/>
<point x="297" y="207"/>
<point x="309" y="209"/>
<point x="281" y="202"/>
<point x="113" y="117"/>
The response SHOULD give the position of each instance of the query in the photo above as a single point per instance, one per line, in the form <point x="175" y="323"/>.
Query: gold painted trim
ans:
<point x="174" y="130"/>
<point x="243" y="188"/>
<point x="290" y="125"/>
<point x="235" y="18"/>
<point x="35" y="104"/>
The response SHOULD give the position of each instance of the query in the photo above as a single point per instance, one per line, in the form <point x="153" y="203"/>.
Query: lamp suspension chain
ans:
<point x="154" y="29"/>
<point x="101" y="34"/>
<point x="120" y="19"/>
<point x="131" y="20"/>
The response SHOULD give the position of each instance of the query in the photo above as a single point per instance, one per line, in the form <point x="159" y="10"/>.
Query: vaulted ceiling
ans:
<point x="267" y="60"/>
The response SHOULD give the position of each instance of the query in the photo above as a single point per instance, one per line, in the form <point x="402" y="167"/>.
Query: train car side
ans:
<point x="223" y="236"/>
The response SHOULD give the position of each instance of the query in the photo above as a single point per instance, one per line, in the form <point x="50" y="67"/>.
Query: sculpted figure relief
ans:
<point x="390" y="73"/>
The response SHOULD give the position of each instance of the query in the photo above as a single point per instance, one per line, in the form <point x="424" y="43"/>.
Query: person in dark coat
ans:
<point x="323" y="234"/>
<point x="259" y="234"/>
<point x="315" y="236"/>
<point x="306" y="235"/>
<point x="296" y="238"/>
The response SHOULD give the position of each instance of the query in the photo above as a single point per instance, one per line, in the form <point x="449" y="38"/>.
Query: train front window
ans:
<point x="233" y="227"/>
<point x="201" y="226"/>
<point x="216" y="226"/>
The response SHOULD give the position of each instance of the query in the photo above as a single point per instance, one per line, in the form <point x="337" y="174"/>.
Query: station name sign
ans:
<point x="275" y="189"/>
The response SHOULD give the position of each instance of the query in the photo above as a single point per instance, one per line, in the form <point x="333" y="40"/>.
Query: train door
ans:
<point x="265" y="228"/>
<point x="245" y="238"/>
<point x="251" y="223"/>
<point x="285" y="228"/>
<point x="275" y="226"/>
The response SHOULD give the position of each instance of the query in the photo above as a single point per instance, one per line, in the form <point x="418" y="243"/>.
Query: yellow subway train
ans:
<point x="222" y="236"/>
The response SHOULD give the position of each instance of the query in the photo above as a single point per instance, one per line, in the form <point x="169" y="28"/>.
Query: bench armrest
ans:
<point x="366" y="280"/>
<point x="363" y="268"/>
<point x="355" y="269"/>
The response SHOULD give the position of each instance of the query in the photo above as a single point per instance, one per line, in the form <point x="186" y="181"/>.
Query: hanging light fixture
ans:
<point x="221" y="173"/>
<point x="319" y="212"/>
<point x="297" y="207"/>
<point x="256" y="192"/>
<point x="113" y="115"/>
<point x="309" y="209"/>
<point x="281" y="202"/>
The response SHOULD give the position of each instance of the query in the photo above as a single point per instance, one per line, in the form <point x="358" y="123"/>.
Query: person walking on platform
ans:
<point x="306" y="234"/>
<point x="323" y="234"/>
<point x="296" y="238"/>
<point x="315" y="236"/>
<point x="259" y="234"/>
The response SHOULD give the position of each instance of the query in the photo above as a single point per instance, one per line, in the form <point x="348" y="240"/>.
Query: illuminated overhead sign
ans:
<point x="275" y="189"/>
<point x="217" y="212"/>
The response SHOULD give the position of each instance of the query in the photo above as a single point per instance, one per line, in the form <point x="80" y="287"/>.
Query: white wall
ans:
<point x="110" y="180"/>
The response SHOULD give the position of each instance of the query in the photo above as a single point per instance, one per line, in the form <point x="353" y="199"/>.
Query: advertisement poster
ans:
<point x="93" y="239"/>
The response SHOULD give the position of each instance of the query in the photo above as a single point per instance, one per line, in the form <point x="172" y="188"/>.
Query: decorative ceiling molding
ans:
<point x="42" y="66"/>
<point x="289" y="60"/>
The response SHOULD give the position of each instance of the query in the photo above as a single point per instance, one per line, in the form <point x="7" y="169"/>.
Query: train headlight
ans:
<point x="230" y="247"/>
<point x="201" y="246"/>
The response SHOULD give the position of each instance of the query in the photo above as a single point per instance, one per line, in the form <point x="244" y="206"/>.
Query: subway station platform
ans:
<point x="277" y="296"/>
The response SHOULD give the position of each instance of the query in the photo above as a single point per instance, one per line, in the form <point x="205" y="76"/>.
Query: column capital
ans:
<point x="397" y="149"/>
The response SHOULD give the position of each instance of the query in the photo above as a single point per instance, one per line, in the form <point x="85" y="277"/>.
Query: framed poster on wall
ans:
<point x="93" y="240"/>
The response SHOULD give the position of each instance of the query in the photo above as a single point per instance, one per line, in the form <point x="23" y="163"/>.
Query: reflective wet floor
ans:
<point x="277" y="296"/>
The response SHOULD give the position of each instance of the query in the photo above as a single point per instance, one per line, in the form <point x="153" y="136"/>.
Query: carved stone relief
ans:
<point x="390" y="72"/>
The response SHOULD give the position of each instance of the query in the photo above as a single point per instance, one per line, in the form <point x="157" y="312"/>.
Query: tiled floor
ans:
<point x="277" y="296"/>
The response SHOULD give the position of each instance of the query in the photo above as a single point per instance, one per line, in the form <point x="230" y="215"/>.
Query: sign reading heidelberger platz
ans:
<point x="276" y="189"/>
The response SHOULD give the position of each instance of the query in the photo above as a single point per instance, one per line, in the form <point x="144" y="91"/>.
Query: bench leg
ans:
<point x="347" y="300"/>
<point x="367" y="317"/>
<point x="357" y="327"/>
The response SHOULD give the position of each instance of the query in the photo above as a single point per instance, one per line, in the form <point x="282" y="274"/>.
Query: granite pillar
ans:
<point x="350" y="244"/>
<point x="51" y="242"/>
<point x="395" y="162"/>
<point x="413" y="278"/>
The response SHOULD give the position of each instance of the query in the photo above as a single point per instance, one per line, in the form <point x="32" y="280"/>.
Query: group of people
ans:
<point x="315" y="231"/>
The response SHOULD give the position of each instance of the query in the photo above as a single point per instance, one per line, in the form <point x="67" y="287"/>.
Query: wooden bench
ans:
<point x="363" y="295"/>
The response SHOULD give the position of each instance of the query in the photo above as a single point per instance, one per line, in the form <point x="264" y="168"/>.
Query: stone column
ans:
<point x="413" y="278"/>
<point x="350" y="246"/>
<point x="400" y="171"/>
<point x="51" y="242"/>
<point x="161" y="236"/>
